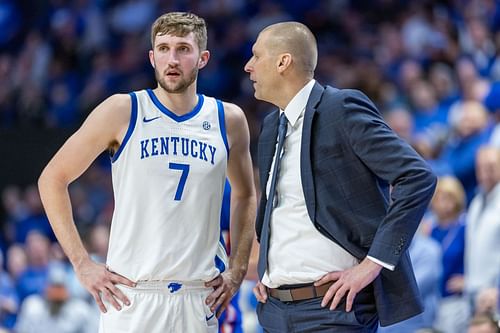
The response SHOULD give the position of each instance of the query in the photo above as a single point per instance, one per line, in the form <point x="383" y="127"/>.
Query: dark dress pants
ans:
<point x="308" y="315"/>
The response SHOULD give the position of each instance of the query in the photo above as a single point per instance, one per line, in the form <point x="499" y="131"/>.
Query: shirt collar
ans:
<point x="298" y="103"/>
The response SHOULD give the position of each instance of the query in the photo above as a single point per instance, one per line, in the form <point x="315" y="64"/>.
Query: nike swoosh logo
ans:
<point x="208" y="318"/>
<point x="150" y="119"/>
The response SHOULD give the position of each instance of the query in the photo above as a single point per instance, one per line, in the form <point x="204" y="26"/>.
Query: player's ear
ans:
<point x="151" y="58"/>
<point x="204" y="56"/>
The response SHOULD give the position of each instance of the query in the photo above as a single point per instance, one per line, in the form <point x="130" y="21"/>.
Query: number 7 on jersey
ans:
<point x="182" y="181"/>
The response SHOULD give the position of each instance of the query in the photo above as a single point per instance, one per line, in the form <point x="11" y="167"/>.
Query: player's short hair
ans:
<point x="181" y="24"/>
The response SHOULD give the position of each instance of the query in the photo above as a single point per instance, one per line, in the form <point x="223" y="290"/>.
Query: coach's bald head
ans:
<point x="294" y="38"/>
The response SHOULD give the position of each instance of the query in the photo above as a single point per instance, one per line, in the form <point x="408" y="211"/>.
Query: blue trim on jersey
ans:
<point x="224" y="223"/>
<point x="172" y="115"/>
<point x="222" y="125"/>
<point x="225" y="211"/>
<point x="219" y="263"/>
<point x="131" y="126"/>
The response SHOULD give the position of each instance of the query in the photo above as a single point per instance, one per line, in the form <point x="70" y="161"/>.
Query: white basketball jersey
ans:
<point x="168" y="182"/>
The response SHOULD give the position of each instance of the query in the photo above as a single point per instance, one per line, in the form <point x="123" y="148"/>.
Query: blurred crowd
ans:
<point x="431" y="67"/>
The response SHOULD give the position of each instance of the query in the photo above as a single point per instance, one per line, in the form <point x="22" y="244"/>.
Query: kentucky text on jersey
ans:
<point x="177" y="146"/>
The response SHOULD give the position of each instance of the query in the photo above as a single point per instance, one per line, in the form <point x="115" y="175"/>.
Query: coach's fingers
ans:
<point x="350" y="300"/>
<point x="329" y="277"/>
<point x="118" y="293"/>
<point x="338" y="297"/>
<point x="260" y="292"/>
<point x="330" y="294"/>
<point x="215" y="282"/>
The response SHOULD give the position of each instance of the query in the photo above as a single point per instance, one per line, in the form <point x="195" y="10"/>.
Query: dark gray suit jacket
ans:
<point x="349" y="157"/>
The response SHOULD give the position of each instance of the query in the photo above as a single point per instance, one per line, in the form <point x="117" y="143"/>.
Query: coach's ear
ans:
<point x="284" y="61"/>
<point x="204" y="56"/>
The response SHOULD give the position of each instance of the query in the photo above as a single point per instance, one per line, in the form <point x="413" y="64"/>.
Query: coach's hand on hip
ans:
<point x="349" y="282"/>
<point x="225" y="286"/>
<point x="260" y="292"/>
<point x="100" y="282"/>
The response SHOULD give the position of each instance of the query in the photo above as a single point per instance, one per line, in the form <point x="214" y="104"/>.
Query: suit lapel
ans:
<point x="267" y="146"/>
<point x="305" y="157"/>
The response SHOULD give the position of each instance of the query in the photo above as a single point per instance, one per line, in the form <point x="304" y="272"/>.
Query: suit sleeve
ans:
<point x="394" y="161"/>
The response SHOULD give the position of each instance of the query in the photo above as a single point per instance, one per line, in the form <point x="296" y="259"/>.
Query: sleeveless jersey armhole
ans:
<point x="131" y="126"/>
<point x="222" y="125"/>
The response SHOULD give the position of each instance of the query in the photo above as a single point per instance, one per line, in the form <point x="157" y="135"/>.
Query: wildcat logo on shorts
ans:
<point x="174" y="286"/>
<point x="206" y="125"/>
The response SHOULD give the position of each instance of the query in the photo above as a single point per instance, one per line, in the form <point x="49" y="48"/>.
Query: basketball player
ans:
<point x="171" y="152"/>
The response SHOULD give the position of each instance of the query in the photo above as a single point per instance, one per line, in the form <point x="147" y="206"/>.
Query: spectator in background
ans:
<point x="492" y="102"/>
<point x="473" y="87"/>
<point x="428" y="115"/>
<point x="17" y="261"/>
<point x="9" y="302"/>
<point x="482" y="255"/>
<point x="401" y="121"/>
<point x="34" y="217"/>
<point x="483" y="324"/>
<point x="486" y="302"/>
<point x="470" y="130"/>
<point x="54" y="310"/>
<point x="444" y="84"/>
<point x="34" y="278"/>
<point x="447" y="207"/>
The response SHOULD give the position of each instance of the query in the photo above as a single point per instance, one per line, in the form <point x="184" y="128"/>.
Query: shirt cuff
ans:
<point x="381" y="263"/>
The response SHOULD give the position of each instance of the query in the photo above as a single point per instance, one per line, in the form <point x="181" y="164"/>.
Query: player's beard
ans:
<point x="181" y="85"/>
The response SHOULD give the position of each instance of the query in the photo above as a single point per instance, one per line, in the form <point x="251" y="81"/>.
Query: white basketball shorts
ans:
<point x="161" y="307"/>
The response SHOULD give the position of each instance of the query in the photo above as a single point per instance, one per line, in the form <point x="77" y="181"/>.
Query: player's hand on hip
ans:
<point x="101" y="284"/>
<point x="260" y="292"/>
<point x="348" y="283"/>
<point x="225" y="286"/>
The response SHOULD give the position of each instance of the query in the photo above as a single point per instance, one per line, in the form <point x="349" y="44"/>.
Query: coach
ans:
<point x="342" y="199"/>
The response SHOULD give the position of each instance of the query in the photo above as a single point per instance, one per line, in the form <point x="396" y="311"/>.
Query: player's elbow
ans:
<point x="49" y="178"/>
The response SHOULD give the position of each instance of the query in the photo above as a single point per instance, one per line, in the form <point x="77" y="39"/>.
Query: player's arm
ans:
<point x="103" y="129"/>
<point x="243" y="197"/>
<point x="243" y="206"/>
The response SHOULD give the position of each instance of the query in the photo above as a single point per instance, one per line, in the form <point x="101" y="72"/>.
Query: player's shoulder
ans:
<point x="233" y="113"/>
<point x="113" y="113"/>
<point x="117" y="106"/>
<point x="119" y="101"/>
